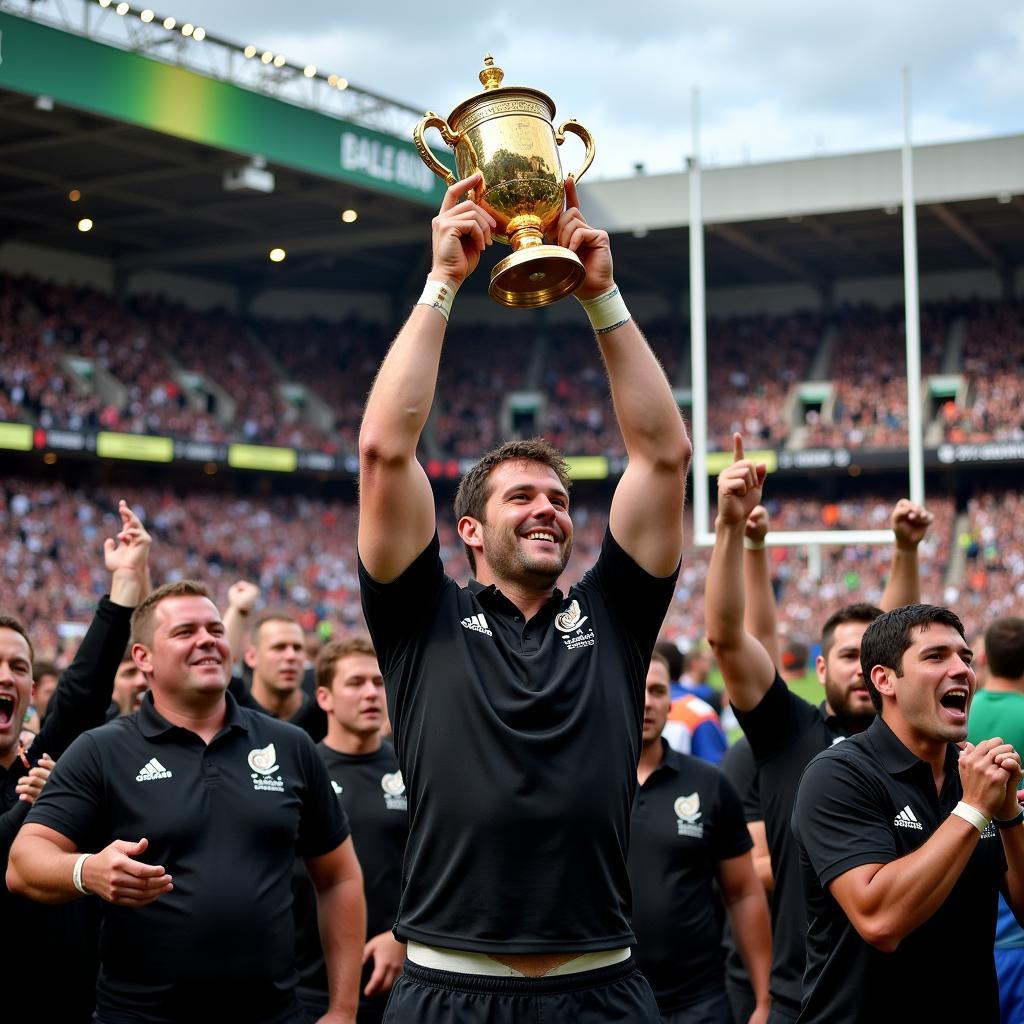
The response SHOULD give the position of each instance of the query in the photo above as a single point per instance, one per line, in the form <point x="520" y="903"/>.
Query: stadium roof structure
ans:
<point x="147" y="144"/>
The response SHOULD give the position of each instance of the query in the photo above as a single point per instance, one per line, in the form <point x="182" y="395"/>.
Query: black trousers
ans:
<point x="612" y="995"/>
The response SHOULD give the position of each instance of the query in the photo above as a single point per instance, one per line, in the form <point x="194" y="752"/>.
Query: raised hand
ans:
<point x="243" y="595"/>
<point x="740" y="486"/>
<point x="127" y="559"/>
<point x="757" y="525"/>
<point x="910" y="523"/>
<point x="460" y="231"/>
<point x="590" y="244"/>
<point x="114" y="875"/>
<point x="31" y="785"/>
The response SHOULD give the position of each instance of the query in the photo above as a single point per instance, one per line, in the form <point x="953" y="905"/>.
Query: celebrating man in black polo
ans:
<point x="905" y="840"/>
<point x="785" y="732"/>
<point x="516" y="709"/>
<point x="195" y="809"/>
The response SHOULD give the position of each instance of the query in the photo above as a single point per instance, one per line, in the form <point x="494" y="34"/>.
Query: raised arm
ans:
<point x="242" y="598"/>
<point x="647" y="509"/>
<point x="396" y="503"/>
<point x="910" y="523"/>
<point x="760" y="618"/>
<point x="86" y="686"/>
<point x="746" y="667"/>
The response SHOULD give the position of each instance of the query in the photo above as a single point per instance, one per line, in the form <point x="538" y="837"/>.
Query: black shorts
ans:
<point x="712" y="1009"/>
<point x="612" y="995"/>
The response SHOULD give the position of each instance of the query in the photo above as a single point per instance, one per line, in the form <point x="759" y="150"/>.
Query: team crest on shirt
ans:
<point x="569" y="623"/>
<point x="263" y="762"/>
<point x="394" y="791"/>
<point x="688" y="813"/>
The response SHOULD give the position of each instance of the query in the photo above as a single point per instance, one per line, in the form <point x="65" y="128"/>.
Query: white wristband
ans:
<point x="439" y="295"/>
<point x="607" y="311"/>
<point x="971" y="815"/>
<point x="753" y="545"/>
<point x="76" y="874"/>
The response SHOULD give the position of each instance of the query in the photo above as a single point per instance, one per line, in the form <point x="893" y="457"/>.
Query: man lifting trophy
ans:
<point x="515" y="901"/>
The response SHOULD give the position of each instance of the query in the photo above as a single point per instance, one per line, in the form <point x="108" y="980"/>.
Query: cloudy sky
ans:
<point x="783" y="79"/>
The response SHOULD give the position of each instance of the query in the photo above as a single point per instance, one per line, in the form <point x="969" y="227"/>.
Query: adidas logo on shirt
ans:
<point x="153" y="770"/>
<point x="478" y="624"/>
<point x="907" y="819"/>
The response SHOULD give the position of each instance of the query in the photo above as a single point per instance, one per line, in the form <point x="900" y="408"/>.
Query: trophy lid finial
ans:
<point x="491" y="75"/>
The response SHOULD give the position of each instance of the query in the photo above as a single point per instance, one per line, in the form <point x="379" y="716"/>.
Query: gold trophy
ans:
<point x="507" y="133"/>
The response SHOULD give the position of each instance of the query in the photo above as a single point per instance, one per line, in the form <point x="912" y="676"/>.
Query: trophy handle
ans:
<point x="573" y="126"/>
<point x="432" y="120"/>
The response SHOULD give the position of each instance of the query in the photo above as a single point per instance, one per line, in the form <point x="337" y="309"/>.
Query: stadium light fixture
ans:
<point x="74" y="195"/>
<point x="342" y="84"/>
<point x="349" y="216"/>
<point x="277" y="255"/>
<point x="199" y="35"/>
<point x="1003" y="198"/>
<point x="105" y="3"/>
<point x="169" y="23"/>
<point x="249" y="51"/>
<point x="279" y="61"/>
<point x="122" y="9"/>
<point x="187" y="29"/>
<point x="147" y="16"/>
<point x="309" y="70"/>
<point x="267" y="57"/>
<point x="332" y="80"/>
<point x="85" y="224"/>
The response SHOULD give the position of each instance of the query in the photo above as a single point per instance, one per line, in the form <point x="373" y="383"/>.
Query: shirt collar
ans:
<point x="897" y="758"/>
<point x="152" y="724"/>
<point x="490" y="592"/>
<point x="671" y="759"/>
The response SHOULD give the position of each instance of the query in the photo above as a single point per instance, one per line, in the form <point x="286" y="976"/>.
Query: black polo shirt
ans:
<point x="371" y="792"/>
<point x="740" y="769"/>
<point x="518" y="742"/>
<point x="686" y="819"/>
<point x="309" y="717"/>
<point x="785" y="733"/>
<point x="62" y="933"/>
<point x="226" y="821"/>
<point x="871" y="801"/>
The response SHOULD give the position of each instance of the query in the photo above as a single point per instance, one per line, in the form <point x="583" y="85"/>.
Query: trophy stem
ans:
<point x="526" y="237"/>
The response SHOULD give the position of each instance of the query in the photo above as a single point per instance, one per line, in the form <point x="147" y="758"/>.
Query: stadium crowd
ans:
<point x="145" y="343"/>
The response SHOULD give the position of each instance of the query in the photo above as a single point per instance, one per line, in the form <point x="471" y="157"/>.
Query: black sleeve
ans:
<point x="10" y="821"/>
<point x="731" y="835"/>
<point x="776" y="722"/>
<point x="741" y="770"/>
<point x="841" y="818"/>
<point x="394" y="611"/>
<point x="323" y="825"/>
<point x="72" y="801"/>
<point x="636" y="599"/>
<point x="86" y="686"/>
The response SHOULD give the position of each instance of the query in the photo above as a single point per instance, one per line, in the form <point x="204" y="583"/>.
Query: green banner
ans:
<point x="92" y="76"/>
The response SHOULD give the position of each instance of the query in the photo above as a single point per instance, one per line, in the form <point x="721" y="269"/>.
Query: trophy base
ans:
<point x="536" y="276"/>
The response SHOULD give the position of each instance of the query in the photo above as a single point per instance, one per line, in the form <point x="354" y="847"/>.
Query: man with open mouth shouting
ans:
<point x="907" y="833"/>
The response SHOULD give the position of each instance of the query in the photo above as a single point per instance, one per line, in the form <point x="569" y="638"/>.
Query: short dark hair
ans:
<point x="334" y="650"/>
<point x="657" y="658"/>
<point x="142" y="617"/>
<point x="673" y="658"/>
<point x="473" y="490"/>
<point x="43" y="668"/>
<point x="858" y="612"/>
<point x="1004" y="647"/>
<point x="888" y="637"/>
<point x="274" y="616"/>
<point x="17" y="626"/>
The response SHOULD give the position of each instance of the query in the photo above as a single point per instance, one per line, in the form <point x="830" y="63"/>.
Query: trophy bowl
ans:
<point x="508" y="134"/>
